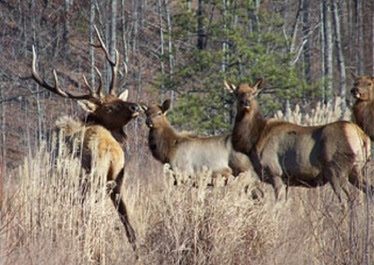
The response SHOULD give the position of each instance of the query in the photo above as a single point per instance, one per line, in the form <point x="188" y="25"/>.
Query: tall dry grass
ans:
<point x="320" y="114"/>
<point x="44" y="221"/>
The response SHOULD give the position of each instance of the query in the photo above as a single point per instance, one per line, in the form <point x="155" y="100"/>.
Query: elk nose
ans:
<point x="149" y="122"/>
<point x="245" y="102"/>
<point x="353" y="90"/>
<point x="135" y="108"/>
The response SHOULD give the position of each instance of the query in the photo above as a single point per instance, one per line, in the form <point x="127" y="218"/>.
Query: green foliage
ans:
<point x="242" y="46"/>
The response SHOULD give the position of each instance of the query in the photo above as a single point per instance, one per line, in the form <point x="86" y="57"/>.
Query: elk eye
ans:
<point x="159" y="114"/>
<point x="369" y="84"/>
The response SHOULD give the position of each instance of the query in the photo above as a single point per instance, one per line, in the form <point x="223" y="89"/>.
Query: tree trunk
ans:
<point x="66" y="33"/>
<point x="328" y="49"/>
<point x="170" y="51"/>
<point x="200" y="26"/>
<point x="340" y="55"/>
<point x="295" y="27"/>
<point x="162" y="53"/>
<point x="372" y="42"/>
<point x="306" y="40"/>
<point x="113" y="27"/>
<point x="124" y="33"/>
<point x="359" y="37"/>
<point x="224" y="42"/>
<point x="92" y="40"/>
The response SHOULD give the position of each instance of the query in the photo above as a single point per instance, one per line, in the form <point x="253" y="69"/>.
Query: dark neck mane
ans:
<point x="247" y="129"/>
<point x="363" y="112"/>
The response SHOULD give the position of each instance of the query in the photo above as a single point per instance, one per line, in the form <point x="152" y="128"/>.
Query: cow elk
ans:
<point x="107" y="114"/>
<point x="298" y="155"/>
<point x="363" y="108"/>
<point x="189" y="153"/>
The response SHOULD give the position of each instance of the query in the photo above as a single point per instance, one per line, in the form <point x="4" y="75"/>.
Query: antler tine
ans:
<point x="42" y="82"/>
<point x="114" y="73"/>
<point x="100" y="82"/>
<point x="113" y="64"/>
<point x="97" y="93"/>
<point x="123" y="80"/>
<point x="56" y="88"/>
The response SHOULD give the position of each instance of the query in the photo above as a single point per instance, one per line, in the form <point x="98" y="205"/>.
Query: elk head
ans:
<point x="111" y="111"/>
<point x="245" y="94"/>
<point x="156" y="114"/>
<point x="363" y="88"/>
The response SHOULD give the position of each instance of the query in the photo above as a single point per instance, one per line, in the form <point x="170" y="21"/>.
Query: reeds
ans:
<point x="46" y="218"/>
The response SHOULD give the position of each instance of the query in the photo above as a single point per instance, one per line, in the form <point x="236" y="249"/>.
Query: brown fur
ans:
<point x="101" y="132"/>
<point x="307" y="156"/>
<point x="363" y="109"/>
<point x="188" y="152"/>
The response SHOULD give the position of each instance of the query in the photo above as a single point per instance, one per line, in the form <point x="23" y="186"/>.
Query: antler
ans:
<point x="113" y="64"/>
<point x="92" y="96"/>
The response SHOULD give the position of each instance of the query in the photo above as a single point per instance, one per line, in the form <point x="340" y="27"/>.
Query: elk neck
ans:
<point x="363" y="112"/>
<point x="248" y="127"/>
<point x="162" y="142"/>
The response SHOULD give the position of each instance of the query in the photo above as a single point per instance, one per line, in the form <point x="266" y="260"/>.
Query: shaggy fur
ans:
<point x="363" y="109"/>
<point x="299" y="155"/>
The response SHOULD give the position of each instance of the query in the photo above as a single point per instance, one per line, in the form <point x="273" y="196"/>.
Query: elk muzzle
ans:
<point x="135" y="110"/>
<point x="246" y="103"/>
<point x="149" y="122"/>
<point x="355" y="93"/>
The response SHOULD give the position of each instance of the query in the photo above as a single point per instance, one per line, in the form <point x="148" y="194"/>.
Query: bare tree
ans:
<point x="162" y="52"/>
<point x="306" y="41"/>
<point x="359" y="44"/>
<point x="340" y="55"/>
<point x="327" y="48"/>
<point x="201" y="37"/>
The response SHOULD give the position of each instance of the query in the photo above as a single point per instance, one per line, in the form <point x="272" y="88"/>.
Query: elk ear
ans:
<point x="88" y="106"/>
<point x="258" y="86"/>
<point x="229" y="86"/>
<point x="166" y="105"/>
<point x="124" y="95"/>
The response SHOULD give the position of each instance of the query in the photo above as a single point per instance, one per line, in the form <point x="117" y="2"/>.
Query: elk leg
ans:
<point x="224" y="173"/>
<point x="120" y="206"/>
<point x="275" y="177"/>
<point x="332" y="177"/>
<point x="356" y="178"/>
<point x="122" y="212"/>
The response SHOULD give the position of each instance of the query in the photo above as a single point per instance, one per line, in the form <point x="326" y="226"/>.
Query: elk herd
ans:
<point x="279" y="152"/>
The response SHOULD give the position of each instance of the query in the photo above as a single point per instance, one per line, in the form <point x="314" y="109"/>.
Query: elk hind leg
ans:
<point x="332" y="176"/>
<point x="357" y="179"/>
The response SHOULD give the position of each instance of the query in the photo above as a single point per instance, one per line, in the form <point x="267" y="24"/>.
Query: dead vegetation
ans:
<point x="43" y="221"/>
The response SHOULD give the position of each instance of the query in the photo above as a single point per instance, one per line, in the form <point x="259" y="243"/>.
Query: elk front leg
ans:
<point x="276" y="181"/>
<point x="119" y="204"/>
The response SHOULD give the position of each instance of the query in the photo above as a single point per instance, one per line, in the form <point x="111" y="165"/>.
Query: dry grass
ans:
<point x="320" y="114"/>
<point x="43" y="219"/>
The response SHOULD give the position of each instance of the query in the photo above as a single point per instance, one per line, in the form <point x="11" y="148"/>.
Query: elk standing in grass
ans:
<point x="107" y="114"/>
<point x="299" y="155"/>
<point x="363" y="109"/>
<point x="189" y="153"/>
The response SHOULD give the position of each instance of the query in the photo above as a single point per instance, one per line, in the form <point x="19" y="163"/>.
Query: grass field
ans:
<point x="44" y="221"/>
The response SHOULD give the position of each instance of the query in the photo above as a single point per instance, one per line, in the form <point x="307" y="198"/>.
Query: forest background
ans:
<point x="181" y="50"/>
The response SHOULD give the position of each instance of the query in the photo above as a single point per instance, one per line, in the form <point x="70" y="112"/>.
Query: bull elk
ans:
<point x="299" y="155"/>
<point x="107" y="114"/>
<point x="189" y="153"/>
<point x="363" y="108"/>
